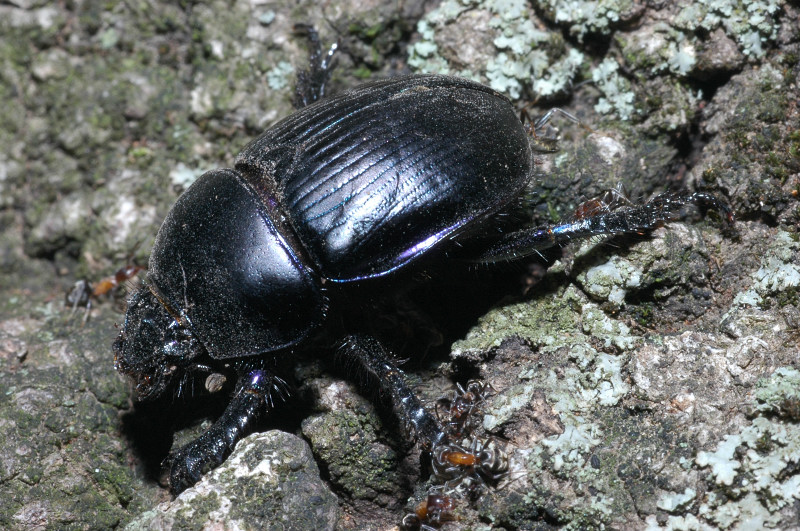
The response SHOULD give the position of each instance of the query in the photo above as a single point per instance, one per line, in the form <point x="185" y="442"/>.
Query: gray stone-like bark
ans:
<point x="644" y="383"/>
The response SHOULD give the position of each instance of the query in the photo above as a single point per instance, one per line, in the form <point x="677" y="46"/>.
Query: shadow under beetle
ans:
<point x="349" y="189"/>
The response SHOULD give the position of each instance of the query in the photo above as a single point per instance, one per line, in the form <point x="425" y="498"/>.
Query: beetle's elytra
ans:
<point x="345" y="190"/>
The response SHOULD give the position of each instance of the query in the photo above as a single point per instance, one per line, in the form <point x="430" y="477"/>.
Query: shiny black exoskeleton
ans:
<point x="344" y="191"/>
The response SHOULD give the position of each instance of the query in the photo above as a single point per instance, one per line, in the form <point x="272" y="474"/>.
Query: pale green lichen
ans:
<point x="760" y="462"/>
<point x="677" y="501"/>
<point x="754" y="470"/>
<point x="658" y="48"/>
<point x="526" y="58"/>
<point x="278" y="77"/>
<point x="546" y="323"/>
<point x="756" y="467"/>
<point x="613" y="332"/>
<point x="563" y="327"/>
<point x="512" y="400"/>
<point x="617" y="95"/>
<point x="778" y="272"/>
<point x="568" y="450"/>
<point x="566" y="320"/>
<point x="723" y="466"/>
<point x="778" y="392"/>
<point x="751" y="23"/>
<point x="541" y="324"/>
<point x="604" y="383"/>
<point x="529" y="59"/>
<point x="424" y="56"/>
<point x="182" y="176"/>
<point x="266" y="18"/>
<point x="611" y="280"/>
<point x="681" y="57"/>
<point x="585" y="16"/>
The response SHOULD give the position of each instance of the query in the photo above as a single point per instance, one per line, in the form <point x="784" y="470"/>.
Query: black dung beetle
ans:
<point x="347" y="190"/>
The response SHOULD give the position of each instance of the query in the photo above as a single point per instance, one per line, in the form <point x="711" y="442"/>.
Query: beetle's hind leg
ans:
<point x="311" y="83"/>
<point x="252" y="399"/>
<point x="628" y="219"/>
<point x="370" y="356"/>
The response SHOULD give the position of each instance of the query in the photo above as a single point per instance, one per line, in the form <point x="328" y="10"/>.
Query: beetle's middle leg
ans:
<point x="252" y="399"/>
<point x="371" y="356"/>
<point x="628" y="220"/>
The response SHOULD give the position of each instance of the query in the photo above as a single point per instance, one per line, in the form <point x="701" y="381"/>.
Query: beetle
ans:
<point x="250" y="262"/>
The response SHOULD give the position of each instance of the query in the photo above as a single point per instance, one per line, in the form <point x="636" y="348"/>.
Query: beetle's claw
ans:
<point x="188" y="465"/>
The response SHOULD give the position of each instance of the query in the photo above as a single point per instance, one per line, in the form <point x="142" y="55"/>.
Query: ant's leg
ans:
<point x="252" y="399"/>
<point x="311" y="83"/>
<point x="544" y="137"/>
<point x="541" y="122"/>
<point x="662" y="208"/>
<point x="371" y="356"/>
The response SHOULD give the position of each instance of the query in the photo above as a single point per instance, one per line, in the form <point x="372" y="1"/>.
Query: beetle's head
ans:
<point x="154" y="345"/>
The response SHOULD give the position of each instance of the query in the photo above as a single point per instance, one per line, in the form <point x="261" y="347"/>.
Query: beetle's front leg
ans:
<point x="373" y="358"/>
<point x="252" y="399"/>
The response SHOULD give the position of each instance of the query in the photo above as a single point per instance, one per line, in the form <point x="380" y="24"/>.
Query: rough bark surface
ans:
<point x="647" y="382"/>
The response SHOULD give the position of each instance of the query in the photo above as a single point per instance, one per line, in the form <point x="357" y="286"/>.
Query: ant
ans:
<point x="465" y="470"/>
<point x="83" y="292"/>
<point x="431" y="512"/>
<point x="459" y="414"/>
<point x="610" y="200"/>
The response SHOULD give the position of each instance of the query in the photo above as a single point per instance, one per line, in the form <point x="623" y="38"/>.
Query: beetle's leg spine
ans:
<point x="371" y="356"/>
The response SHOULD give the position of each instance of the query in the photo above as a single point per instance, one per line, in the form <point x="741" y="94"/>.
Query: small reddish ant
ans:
<point x="431" y="513"/>
<point x="610" y="200"/>
<point x="83" y="292"/>
<point x="466" y="469"/>
<point x="459" y="414"/>
<point x="108" y="283"/>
